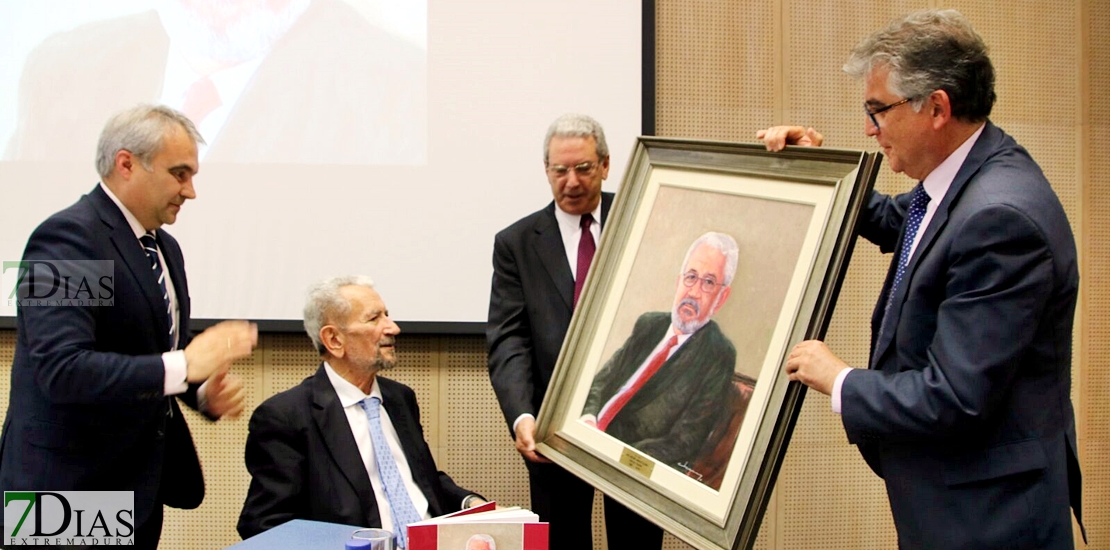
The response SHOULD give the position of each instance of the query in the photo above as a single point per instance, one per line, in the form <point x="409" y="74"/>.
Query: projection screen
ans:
<point x="392" y="139"/>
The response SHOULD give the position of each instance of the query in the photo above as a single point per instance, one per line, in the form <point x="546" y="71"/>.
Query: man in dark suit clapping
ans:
<point x="95" y="384"/>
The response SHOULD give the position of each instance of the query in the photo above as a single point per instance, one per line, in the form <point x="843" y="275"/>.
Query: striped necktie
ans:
<point x="150" y="246"/>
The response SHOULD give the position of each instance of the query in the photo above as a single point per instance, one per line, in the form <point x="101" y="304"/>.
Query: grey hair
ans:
<point x="576" y="125"/>
<point x="483" y="538"/>
<point x="724" y="244"/>
<point x="931" y="50"/>
<point x="140" y="130"/>
<point x="324" y="302"/>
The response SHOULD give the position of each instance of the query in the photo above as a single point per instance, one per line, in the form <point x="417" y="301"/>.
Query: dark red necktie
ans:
<point x="623" y="398"/>
<point x="586" y="249"/>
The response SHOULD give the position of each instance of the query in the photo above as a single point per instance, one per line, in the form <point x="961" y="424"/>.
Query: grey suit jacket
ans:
<point x="674" y="412"/>
<point x="965" y="412"/>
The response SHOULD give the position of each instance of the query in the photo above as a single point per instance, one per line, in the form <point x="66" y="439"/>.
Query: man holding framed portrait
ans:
<point x="965" y="409"/>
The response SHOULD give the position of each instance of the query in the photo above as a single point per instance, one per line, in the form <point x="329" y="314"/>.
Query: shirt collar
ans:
<point x="350" y="394"/>
<point x="571" y="221"/>
<point x="940" y="179"/>
<point x="136" y="227"/>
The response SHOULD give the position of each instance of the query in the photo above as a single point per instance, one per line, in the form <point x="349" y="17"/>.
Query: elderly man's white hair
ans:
<point x="324" y="302"/>
<point x="724" y="244"/>
<point x="490" y="543"/>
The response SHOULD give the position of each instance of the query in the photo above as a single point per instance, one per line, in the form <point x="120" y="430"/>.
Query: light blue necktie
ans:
<point x="919" y="201"/>
<point x="400" y="505"/>
<point x="150" y="246"/>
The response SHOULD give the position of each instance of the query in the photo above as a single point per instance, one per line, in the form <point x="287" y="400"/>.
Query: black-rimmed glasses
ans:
<point x="872" y="112"/>
<point x="708" y="284"/>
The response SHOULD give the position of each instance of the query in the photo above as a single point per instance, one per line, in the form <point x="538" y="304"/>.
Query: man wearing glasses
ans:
<point x="539" y="266"/>
<point x="965" y="409"/>
<point x="666" y="388"/>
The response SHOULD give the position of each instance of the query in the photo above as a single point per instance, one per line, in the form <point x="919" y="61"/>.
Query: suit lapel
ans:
<point x="335" y="431"/>
<point x="548" y="246"/>
<point x="979" y="153"/>
<point x="135" y="260"/>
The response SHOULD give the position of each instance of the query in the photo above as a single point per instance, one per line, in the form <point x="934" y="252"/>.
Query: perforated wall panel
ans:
<point x="1094" y="384"/>
<point x="713" y="68"/>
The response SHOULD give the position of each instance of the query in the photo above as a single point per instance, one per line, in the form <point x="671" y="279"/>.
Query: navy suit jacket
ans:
<point x="672" y="415"/>
<point x="965" y="412"/>
<point x="530" y="306"/>
<point x="87" y="410"/>
<point x="305" y="464"/>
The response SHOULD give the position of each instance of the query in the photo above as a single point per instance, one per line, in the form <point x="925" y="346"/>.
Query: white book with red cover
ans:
<point x="484" y="527"/>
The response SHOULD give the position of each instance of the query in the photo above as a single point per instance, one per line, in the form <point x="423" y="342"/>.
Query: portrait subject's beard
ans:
<point x="246" y="37"/>
<point x="693" y="325"/>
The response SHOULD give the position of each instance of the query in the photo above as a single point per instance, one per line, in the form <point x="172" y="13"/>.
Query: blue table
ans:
<point x="300" y="534"/>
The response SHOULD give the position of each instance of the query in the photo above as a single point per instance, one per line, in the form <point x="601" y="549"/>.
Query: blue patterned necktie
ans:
<point x="150" y="246"/>
<point x="919" y="201"/>
<point x="400" y="505"/>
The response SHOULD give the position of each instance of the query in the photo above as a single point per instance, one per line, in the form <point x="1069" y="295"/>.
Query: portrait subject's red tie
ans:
<point x="622" y="399"/>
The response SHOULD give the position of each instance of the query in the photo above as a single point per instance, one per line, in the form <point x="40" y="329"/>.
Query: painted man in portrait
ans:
<point x="665" y="389"/>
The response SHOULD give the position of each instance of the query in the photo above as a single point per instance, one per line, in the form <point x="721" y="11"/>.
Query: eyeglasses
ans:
<point x="582" y="169"/>
<point x="872" y="112"/>
<point x="708" y="285"/>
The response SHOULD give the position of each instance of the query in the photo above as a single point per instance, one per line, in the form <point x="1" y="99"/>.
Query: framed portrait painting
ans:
<point x="669" y="394"/>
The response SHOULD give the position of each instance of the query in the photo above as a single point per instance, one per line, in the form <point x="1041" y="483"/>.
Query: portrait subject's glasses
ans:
<point x="582" y="169"/>
<point x="708" y="284"/>
<point x="871" y="112"/>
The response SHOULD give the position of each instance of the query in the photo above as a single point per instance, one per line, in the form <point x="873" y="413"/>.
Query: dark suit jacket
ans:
<point x="674" y="412"/>
<point x="530" y="306"/>
<point x="318" y="96"/>
<point x="965" y="412"/>
<point x="86" y="410"/>
<point x="304" y="462"/>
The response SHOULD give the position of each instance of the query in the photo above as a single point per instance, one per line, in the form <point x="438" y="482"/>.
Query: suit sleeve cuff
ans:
<point x="521" y="417"/>
<point x="838" y="385"/>
<point x="174" y="363"/>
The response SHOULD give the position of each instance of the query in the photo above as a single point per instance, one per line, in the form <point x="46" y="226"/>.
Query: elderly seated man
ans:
<point x="346" y="445"/>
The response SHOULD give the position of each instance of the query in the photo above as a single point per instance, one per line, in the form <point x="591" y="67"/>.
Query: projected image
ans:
<point x="266" y="81"/>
